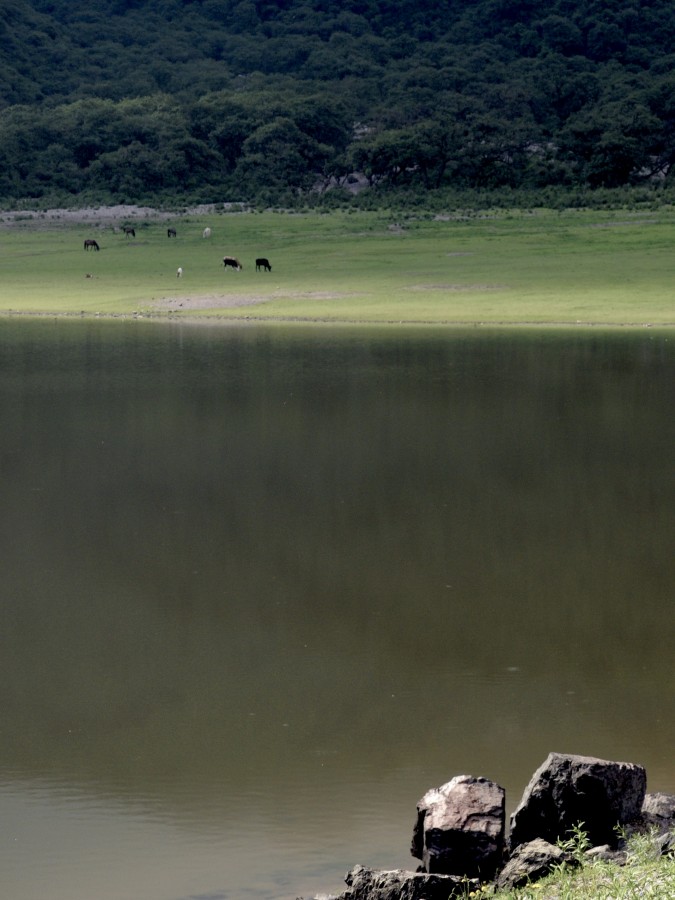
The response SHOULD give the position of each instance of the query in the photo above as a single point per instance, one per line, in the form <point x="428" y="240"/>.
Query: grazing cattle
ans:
<point x="179" y="272"/>
<point x="263" y="263"/>
<point x="233" y="262"/>
<point x="129" y="231"/>
<point x="206" y="233"/>
<point x="171" y="232"/>
<point x="91" y="244"/>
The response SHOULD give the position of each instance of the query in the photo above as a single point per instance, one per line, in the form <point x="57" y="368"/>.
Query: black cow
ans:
<point x="171" y="232"/>
<point x="263" y="263"/>
<point x="91" y="244"/>
<point x="233" y="262"/>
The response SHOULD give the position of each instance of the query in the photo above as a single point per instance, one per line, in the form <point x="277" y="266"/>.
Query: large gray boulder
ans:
<point x="460" y="828"/>
<point x="567" y="790"/>
<point x="399" y="884"/>
<point x="530" y="862"/>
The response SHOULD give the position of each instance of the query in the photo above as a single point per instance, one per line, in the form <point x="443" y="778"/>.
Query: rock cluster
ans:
<point x="460" y="833"/>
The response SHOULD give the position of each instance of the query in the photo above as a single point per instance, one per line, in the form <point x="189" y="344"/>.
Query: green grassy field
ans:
<point x="536" y="267"/>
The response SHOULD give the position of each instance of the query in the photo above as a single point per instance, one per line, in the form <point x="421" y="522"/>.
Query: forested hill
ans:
<point x="263" y="99"/>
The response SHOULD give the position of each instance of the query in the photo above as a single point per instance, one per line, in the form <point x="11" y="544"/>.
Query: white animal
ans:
<point x="206" y="233"/>
<point x="179" y="272"/>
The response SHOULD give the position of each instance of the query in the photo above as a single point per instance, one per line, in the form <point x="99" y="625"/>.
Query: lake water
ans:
<point x="262" y="588"/>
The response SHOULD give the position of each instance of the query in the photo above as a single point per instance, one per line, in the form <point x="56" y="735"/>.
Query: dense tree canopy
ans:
<point x="239" y="99"/>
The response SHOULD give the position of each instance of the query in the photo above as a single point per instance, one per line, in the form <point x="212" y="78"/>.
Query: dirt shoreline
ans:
<point x="183" y="316"/>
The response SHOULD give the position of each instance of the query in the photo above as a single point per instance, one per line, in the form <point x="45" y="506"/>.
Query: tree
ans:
<point x="278" y="154"/>
<point x="610" y="144"/>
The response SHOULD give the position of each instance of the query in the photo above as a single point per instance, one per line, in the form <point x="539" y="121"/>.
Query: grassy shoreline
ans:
<point x="502" y="268"/>
<point x="644" y="873"/>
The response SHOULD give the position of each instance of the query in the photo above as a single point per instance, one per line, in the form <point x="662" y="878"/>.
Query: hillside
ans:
<point x="137" y="100"/>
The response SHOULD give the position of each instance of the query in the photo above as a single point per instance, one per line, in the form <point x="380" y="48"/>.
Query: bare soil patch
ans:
<point x="207" y="301"/>
<point x="230" y="301"/>
<point x="464" y="288"/>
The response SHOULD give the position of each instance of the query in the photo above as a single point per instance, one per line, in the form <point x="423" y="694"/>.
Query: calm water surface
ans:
<point x="263" y="588"/>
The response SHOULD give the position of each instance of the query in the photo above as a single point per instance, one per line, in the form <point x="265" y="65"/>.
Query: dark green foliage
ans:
<point x="275" y="100"/>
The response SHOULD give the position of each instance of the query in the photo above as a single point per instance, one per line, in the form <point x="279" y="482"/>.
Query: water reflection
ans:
<point x="262" y="588"/>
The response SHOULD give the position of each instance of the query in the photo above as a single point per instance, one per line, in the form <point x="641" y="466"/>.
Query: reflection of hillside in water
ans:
<point x="265" y="563"/>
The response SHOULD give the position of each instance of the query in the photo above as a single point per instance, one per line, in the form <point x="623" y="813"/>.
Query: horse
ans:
<point x="263" y="263"/>
<point x="233" y="262"/>
<point x="171" y="232"/>
<point x="206" y="233"/>
<point x="129" y="231"/>
<point x="179" y="272"/>
<point x="91" y="244"/>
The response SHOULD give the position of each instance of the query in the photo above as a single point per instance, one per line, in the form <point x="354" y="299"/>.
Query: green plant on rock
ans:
<point x="577" y="843"/>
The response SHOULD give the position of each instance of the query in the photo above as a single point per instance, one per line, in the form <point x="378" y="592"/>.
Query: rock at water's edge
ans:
<point x="399" y="884"/>
<point x="460" y="828"/>
<point x="568" y="790"/>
